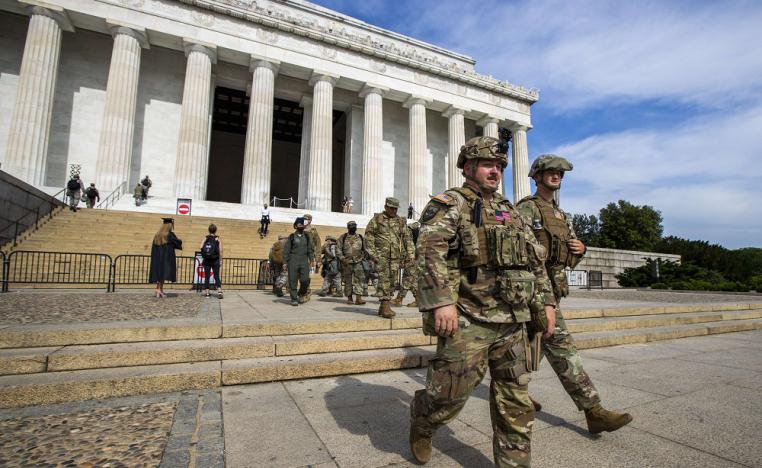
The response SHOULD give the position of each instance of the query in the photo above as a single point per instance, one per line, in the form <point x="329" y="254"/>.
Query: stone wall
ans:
<point x="613" y="261"/>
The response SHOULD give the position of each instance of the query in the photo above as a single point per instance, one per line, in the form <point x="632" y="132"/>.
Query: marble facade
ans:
<point x="125" y="88"/>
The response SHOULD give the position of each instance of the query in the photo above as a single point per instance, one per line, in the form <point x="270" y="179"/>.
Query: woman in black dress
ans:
<point x="163" y="262"/>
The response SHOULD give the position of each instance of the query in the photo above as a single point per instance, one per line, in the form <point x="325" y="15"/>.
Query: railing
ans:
<point x="61" y="268"/>
<point x="19" y="227"/>
<point x="113" y="197"/>
<point x="585" y="278"/>
<point x="594" y="279"/>
<point x="291" y="203"/>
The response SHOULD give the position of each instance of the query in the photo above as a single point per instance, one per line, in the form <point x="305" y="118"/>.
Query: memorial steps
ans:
<point x="55" y="363"/>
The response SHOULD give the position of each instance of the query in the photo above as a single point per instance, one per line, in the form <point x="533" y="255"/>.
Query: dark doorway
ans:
<point x="227" y="146"/>
<point x="287" y="147"/>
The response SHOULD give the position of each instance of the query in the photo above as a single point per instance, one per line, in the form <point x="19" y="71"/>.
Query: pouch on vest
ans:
<point x="506" y="247"/>
<point x="516" y="287"/>
<point x="469" y="238"/>
<point x="560" y="282"/>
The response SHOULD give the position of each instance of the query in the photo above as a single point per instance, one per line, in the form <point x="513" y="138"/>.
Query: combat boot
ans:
<point x="349" y="299"/>
<point x="600" y="419"/>
<point x="413" y="304"/>
<point x="359" y="301"/>
<point x="385" y="310"/>
<point x="322" y="293"/>
<point x="536" y="404"/>
<point x="396" y="302"/>
<point x="420" y="445"/>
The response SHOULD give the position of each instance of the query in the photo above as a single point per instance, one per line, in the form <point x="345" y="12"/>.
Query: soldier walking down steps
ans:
<point x="554" y="231"/>
<point x="390" y="248"/>
<point x="352" y="255"/>
<point x="482" y="279"/>
<point x="278" y="268"/>
<point x="298" y="255"/>
<point x="330" y="272"/>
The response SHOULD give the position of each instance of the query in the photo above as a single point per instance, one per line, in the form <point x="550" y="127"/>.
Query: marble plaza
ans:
<point x="240" y="101"/>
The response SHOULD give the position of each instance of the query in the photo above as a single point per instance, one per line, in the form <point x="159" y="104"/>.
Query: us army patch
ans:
<point x="428" y="214"/>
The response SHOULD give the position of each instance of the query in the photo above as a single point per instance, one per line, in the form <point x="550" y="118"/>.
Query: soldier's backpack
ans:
<point x="211" y="248"/>
<point x="73" y="185"/>
<point x="277" y="255"/>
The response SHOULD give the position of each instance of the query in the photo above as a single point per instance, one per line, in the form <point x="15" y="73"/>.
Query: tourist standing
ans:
<point x="211" y="254"/>
<point x="298" y="255"/>
<point x="163" y="260"/>
<point x="350" y="204"/>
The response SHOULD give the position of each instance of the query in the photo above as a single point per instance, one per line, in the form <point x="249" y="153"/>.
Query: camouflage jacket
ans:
<point x="493" y="274"/>
<point x="552" y="227"/>
<point x="329" y="257"/>
<point x="389" y="238"/>
<point x="351" y="247"/>
<point x="314" y="237"/>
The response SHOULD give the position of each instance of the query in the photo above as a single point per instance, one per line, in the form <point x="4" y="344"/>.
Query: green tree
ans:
<point x="630" y="227"/>
<point x="588" y="229"/>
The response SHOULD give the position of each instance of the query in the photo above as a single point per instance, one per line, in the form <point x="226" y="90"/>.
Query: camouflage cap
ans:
<point x="483" y="147"/>
<point x="550" y="161"/>
<point x="392" y="202"/>
<point x="330" y="238"/>
<point x="351" y="224"/>
<point x="307" y="216"/>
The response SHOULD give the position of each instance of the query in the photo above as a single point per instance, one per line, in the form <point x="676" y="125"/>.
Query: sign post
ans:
<point x="183" y="206"/>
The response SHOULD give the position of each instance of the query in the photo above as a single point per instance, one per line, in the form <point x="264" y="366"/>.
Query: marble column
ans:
<point x="457" y="138"/>
<point x="304" y="156"/>
<point x="321" y="140"/>
<point x="420" y="175"/>
<point x="520" y="163"/>
<point x="373" y="134"/>
<point x="489" y="126"/>
<point x="257" y="161"/>
<point x="192" y="164"/>
<point x="29" y="131"/>
<point x="115" y="145"/>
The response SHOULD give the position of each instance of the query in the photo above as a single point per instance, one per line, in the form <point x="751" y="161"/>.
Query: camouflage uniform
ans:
<point x="494" y="274"/>
<point x="279" y="274"/>
<point x="410" y="275"/>
<point x="351" y="253"/>
<point x="312" y="232"/>
<point x="389" y="245"/>
<point x="549" y="221"/>
<point x="331" y="276"/>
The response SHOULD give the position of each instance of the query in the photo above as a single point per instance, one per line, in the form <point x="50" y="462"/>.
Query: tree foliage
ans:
<point x="630" y="227"/>
<point x="587" y="228"/>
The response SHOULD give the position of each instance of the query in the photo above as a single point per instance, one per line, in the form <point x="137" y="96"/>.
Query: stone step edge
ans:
<point x="95" y="356"/>
<point x="31" y="336"/>
<point x="26" y="390"/>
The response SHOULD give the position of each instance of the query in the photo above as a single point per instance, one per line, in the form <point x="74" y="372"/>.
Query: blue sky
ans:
<point x="655" y="102"/>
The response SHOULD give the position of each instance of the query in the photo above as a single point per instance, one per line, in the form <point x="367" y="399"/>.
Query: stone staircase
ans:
<point x="42" y="364"/>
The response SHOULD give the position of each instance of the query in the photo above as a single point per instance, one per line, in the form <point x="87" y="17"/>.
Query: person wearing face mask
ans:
<point x="350" y="249"/>
<point x="553" y="229"/>
<point x="298" y="255"/>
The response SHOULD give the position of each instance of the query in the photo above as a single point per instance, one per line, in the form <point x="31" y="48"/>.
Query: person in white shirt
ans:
<point x="264" y="221"/>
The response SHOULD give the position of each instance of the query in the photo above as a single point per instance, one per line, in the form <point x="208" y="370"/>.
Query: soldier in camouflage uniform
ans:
<point x="390" y="247"/>
<point x="350" y="250"/>
<point x="553" y="228"/>
<point x="482" y="278"/>
<point x="278" y="268"/>
<point x="410" y="275"/>
<point x="312" y="231"/>
<point x="331" y="271"/>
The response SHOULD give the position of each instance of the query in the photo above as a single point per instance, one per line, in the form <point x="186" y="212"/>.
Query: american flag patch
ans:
<point x="502" y="216"/>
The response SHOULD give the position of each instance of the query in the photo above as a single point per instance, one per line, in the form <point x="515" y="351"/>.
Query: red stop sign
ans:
<point x="183" y="208"/>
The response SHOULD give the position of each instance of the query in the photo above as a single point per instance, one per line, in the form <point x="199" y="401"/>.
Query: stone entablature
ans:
<point x="348" y="33"/>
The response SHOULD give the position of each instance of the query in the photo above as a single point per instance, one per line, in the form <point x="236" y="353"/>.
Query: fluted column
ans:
<point x="321" y="139"/>
<point x="255" y="186"/>
<point x="115" y="145"/>
<point x="457" y="138"/>
<point x="192" y="164"/>
<point x="29" y="132"/>
<point x="420" y="175"/>
<point x="489" y="125"/>
<point x="520" y="163"/>
<point x="373" y="132"/>
<point x="304" y="156"/>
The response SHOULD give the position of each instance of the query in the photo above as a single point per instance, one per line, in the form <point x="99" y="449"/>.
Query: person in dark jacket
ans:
<point x="211" y="252"/>
<point x="298" y="255"/>
<point x="163" y="261"/>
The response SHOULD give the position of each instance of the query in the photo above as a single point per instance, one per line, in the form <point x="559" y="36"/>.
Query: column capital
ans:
<point x="135" y="32"/>
<point x="54" y="12"/>
<point x="519" y="127"/>
<point x="258" y="61"/>
<point x="413" y="100"/>
<point x="454" y="110"/>
<point x="318" y="75"/>
<point x="305" y="101"/>
<point x="487" y="119"/>
<point x="370" y="88"/>
<point x="192" y="45"/>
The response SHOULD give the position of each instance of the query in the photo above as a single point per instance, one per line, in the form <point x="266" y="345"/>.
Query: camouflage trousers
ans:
<point x="459" y="366"/>
<point x="331" y="280"/>
<point x="562" y="355"/>
<point x="409" y="282"/>
<point x="388" y="270"/>
<point x="354" y="280"/>
<point x="280" y="276"/>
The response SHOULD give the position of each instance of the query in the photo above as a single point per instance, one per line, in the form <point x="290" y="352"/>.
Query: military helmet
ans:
<point x="545" y="162"/>
<point x="483" y="147"/>
<point x="330" y="238"/>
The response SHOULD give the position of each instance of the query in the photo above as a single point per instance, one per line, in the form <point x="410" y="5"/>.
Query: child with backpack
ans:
<point x="211" y="253"/>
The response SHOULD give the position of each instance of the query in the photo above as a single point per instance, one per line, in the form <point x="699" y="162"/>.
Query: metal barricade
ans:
<point x="594" y="279"/>
<point x="577" y="278"/>
<point x="4" y="272"/>
<point x="57" y="268"/>
<point x="136" y="270"/>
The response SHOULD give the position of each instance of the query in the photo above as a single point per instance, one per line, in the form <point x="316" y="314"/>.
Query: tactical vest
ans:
<point x="277" y="255"/>
<point x="552" y="232"/>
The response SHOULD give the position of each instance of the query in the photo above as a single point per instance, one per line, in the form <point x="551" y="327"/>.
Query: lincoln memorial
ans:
<point x="241" y="101"/>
